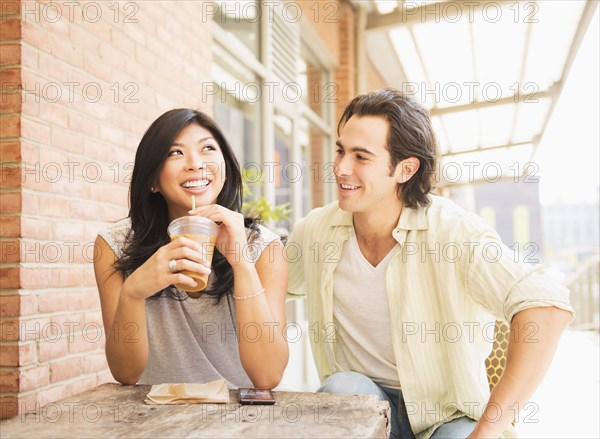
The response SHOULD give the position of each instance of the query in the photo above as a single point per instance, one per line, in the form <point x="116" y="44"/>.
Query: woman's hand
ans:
<point x="232" y="239"/>
<point x="158" y="272"/>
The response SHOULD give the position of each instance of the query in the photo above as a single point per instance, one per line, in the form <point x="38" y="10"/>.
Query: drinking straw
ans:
<point x="193" y="202"/>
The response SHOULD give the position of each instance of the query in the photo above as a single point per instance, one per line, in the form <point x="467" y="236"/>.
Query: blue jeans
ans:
<point x="358" y="384"/>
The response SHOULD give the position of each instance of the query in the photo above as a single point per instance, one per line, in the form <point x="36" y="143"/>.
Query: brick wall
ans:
<point x="80" y="84"/>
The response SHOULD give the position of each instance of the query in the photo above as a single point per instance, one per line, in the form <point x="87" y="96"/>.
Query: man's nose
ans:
<point x="342" y="166"/>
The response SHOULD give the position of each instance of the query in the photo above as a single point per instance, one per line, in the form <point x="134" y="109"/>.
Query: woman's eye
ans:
<point x="175" y="152"/>
<point x="209" y="148"/>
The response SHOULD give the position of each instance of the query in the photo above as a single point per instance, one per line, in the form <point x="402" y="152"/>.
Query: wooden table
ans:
<point x="113" y="410"/>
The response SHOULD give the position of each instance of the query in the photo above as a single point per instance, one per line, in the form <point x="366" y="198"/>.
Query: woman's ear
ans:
<point x="406" y="169"/>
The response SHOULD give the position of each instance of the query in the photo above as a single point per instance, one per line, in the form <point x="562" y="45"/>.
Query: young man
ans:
<point x="403" y="287"/>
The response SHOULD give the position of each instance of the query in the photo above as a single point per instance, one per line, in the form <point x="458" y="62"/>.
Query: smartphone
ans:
<point x="256" y="396"/>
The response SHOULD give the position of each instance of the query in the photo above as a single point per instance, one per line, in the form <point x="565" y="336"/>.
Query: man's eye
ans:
<point x="339" y="151"/>
<point x="360" y="157"/>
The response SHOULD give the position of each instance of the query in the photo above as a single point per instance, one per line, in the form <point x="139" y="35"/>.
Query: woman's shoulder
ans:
<point x="259" y="237"/>
<point x="116" y="235"/>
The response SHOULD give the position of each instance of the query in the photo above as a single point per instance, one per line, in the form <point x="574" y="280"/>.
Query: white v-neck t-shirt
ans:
<point x="361" y="314"/>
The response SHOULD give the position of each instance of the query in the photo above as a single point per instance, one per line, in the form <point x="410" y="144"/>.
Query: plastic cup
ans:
<point x="204" y="232"/>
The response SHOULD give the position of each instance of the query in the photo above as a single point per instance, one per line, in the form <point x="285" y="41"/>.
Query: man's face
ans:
<point x="362" y="166"/>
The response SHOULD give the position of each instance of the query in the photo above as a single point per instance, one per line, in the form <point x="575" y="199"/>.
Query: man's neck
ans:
<point x="377" y="226"/>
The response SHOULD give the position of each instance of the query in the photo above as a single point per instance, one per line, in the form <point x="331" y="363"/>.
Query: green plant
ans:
<point x="260" y="207"/>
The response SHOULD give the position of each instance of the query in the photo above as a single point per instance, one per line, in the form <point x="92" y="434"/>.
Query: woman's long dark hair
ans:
<point x="148" y="211"/>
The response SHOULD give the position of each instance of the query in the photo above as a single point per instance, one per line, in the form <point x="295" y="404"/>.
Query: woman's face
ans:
<point x="195" y="167"/>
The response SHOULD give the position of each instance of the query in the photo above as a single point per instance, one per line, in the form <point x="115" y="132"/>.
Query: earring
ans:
<point x="152" y="189"/>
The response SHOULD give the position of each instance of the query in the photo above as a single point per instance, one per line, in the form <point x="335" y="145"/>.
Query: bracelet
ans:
<point x="262" y="291"/>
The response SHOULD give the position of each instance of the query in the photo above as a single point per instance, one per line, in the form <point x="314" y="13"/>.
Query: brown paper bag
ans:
<point x="189" y="393"/>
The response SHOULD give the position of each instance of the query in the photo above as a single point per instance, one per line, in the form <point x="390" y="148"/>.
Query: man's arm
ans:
<point x="534" y="336"/>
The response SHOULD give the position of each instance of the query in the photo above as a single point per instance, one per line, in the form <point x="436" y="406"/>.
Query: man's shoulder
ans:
<point x="317" y="220"/>
<point x="325" y="213"/>
<point x="444" y="213"/>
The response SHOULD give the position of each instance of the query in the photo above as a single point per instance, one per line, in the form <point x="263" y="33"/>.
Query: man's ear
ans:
<point x="406" y="169"/>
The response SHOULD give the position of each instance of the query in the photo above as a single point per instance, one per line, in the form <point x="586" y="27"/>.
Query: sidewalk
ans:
<point x="567" y="403"/>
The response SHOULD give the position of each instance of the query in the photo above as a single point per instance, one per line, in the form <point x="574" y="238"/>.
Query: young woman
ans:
<point x="156" y="333"/>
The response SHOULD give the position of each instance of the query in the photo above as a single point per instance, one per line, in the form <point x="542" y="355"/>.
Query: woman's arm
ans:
<point x="263" y="355"/>
<point x="123" y="302"/>
<point x="261" y="319"/>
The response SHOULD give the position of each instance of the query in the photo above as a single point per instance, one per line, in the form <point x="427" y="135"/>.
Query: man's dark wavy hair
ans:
<point x="410" y="135"/>
<point x="148" y="211"/>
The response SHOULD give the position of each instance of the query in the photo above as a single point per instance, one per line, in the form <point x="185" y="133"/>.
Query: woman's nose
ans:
<point x="194" y="161"/>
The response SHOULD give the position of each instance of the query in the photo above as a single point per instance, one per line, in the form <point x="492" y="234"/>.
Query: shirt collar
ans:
<point x="410" y="219"/>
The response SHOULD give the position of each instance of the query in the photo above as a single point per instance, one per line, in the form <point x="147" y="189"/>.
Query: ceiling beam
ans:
<point x="411" y="13"/>
<point x="489" y="148"/>
<point x="477" y="105"/>
<point x="586" y="17"/>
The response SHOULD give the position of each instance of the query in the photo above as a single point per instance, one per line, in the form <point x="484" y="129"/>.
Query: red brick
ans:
<point x="9" y="381"/>
<point x="29" y="152"/>
<point x="54" y="206"/>
<point x="54" y="114"/>
<point x="10" y="54"/>
<point x="94" y="318"/>
<point x="10" y="251"/>
<point x="88" y="41"/>
<point x="90" y="278"/>
<point x="28" y="304"/>
<point x="35" y="228"/>
<point x="50" y="351"/>
<point x="90" y="342"/>
<point x="105" y="377"/>
<point x="10" y="126"/>
<point x="67" y="140"/>
<point x="54" y="69"/>
<point x="10" y="102"/>
<point x="10" y="226"/>
<point x="29" y="57"/>
<point x="27" y="354"/>
<point x="29" y="203"/>
<point x="10" y="306"/>
<point x="95" y="362"/>
<point x="10" y="29"/>
<point x="83" y="210"/>
<point x="35" y="277"/>
<point x="10" y="76"/>
<point x="65" y="369"/>
<point x="9" y="355"/>
<point x="36" y="177"/>
<point x="10" y="9"/>
<point x="67" y="231"/>
<point x="9" y="330"/>
<point x="17" y="354"/>
<point x="84" y="301"/>
<point x="66" y="277"/>
<point x="28" y="402"/>
<point x="10" y="152"/>
<point x="10" y="175"/>
<point x="11" y="202"/>
<point x="38" y="328"/>
<point x="70" y="324"/>
<point x="53" y="301"/>
<point x="36" y="131"/>
<point x="10" y="277"/>
<point x="8" y="407"/>
<point x="34" y="378"/>
<point x="83" y="125"/>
